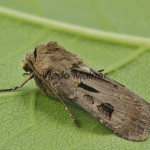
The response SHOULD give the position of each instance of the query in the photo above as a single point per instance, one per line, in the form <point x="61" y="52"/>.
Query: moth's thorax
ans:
<point x="53" y="57"/>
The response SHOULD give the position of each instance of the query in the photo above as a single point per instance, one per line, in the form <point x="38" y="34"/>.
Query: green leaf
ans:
<point x="94" y="30"/>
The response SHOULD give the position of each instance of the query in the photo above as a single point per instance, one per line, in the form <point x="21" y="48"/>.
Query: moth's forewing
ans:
<point x="116" y="106"/>
<point x="113" y="104"/>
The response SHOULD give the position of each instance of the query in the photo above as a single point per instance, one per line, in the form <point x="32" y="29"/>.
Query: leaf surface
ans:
<point x="94" y="30"/>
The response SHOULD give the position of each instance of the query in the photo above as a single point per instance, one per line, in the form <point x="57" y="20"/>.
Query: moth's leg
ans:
<point x="69" y="112"/>
<point x="19" y="86"/>
<point x="101" y="73"/>
<point x="26" y="74"/>
<point x="101" y="70"/>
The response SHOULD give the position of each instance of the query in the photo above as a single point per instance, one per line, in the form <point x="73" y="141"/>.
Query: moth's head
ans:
<point x="28" y="62"/>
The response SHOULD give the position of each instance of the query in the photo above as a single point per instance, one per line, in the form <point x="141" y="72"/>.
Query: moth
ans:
<point x="62" y="75"/>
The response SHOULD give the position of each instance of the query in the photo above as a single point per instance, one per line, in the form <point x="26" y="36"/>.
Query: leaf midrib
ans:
<point x="74" y="29"/>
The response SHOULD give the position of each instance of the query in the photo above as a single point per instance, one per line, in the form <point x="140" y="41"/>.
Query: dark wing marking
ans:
<point x="86" y="87"/>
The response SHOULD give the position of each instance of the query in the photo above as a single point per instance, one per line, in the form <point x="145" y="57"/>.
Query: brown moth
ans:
<point x="62" y="75"/>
